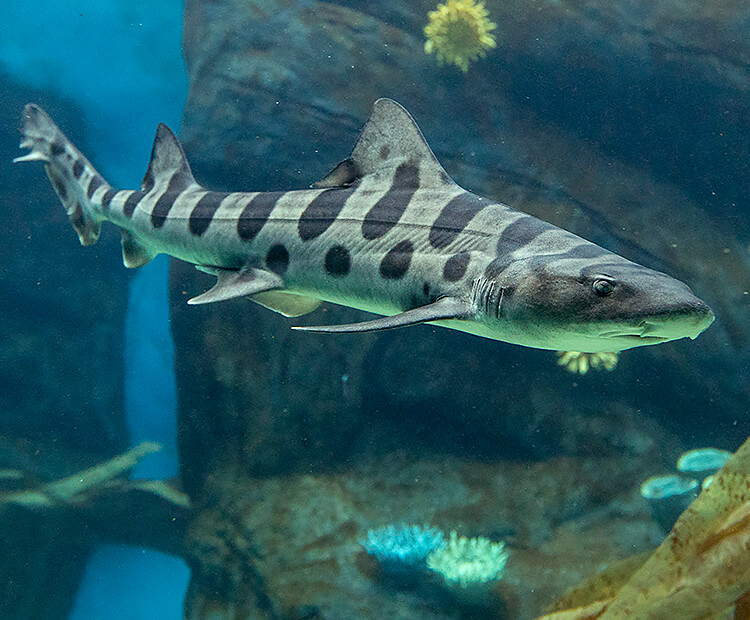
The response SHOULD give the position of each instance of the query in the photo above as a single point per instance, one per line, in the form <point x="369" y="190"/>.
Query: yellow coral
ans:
<point x="575" y="361"/>
<point x="459" y="32"/>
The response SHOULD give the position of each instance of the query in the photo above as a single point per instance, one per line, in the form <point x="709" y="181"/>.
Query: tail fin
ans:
<point x="74" y="179"/>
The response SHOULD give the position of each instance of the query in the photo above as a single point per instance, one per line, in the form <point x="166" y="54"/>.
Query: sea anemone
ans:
<point x="700" y="462"/>
<point x="467" y="562"/>
<point x="403" y="548"/>
<point x="575" y="361"/>
<point x="669" y="496"/>
<point x="459" y="32"/>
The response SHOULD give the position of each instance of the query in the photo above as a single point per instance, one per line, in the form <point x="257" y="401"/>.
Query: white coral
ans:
<point x="469" y="561"/>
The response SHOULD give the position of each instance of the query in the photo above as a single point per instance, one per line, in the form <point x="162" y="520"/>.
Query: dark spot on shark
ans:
<point x="337" y="261"/>
<point x="177" y="183"/>
<point x="148" y="181"/>
<point x="322" y="212"/>
<point x="385" y="150"/>
<point x="94" y="184"/>
<point x="455" y="267"/>
<point x="56" y="149"/>
<point x="396" y="262"/>
<point x="108" y="196"/>
<point x="585" y="250"/>
<point x="60" y="188"/>
<point x="277" y="259"/>
<point x="203" y="212"/>
<point x="162" y="208"/>
<point x="387" y="211"/>
<point x="256" y="213"/>
<point x="76" y="218"/>
<point x="131" y="203"/>
<point x="520" y="233"/>
<point x="426" y="289"/>
<point x="497" y="266"/>
<point x="77" y="168"/>
<point x="454" y="217"/>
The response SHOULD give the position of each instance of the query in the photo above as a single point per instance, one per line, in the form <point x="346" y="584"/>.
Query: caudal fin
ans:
<point x="74" y="179"/>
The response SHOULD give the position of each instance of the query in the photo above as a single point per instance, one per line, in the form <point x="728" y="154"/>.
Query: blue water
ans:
<point x="150" y="394"/>
<point x="119" y="61"/>
<point x="128" y="583"/>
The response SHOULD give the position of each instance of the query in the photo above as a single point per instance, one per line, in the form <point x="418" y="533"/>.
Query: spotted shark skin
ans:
<point x="387" y="231"/>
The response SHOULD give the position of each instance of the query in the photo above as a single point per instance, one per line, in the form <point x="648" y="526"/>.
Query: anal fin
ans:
<point x="445" y="308"/>
<point x="288" y="304"/>
<point x="231" y="283"/>
<point x="133" y="253"/>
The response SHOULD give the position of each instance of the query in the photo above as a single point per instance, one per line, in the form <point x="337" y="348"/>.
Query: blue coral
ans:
<point x="403" y="548"/>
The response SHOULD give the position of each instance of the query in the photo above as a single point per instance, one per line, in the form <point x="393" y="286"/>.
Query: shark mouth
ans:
<point x="637" y="337"/>
<point x="654" y="332"/>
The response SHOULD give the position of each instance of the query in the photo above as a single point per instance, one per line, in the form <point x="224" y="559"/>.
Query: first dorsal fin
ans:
<point x="167" y="162"/>
<point x="389" y="139"/>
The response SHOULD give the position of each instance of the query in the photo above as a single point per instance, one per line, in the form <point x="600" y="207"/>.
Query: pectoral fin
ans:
<point x="233" y="283"/>
<point x="288" y="304"/>
<point x="445" y="308"/>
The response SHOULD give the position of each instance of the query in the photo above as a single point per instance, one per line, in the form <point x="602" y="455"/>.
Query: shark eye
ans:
<point x="603" y="287"/>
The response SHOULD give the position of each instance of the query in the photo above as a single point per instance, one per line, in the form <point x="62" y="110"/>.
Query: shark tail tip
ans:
<point x="73" y="178"/>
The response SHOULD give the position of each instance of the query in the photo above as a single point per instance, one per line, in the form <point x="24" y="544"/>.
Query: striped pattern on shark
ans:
<point x="387" y="231"/>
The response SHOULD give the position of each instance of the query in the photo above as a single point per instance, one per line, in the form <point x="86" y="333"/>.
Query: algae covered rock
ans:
<point x="699" y="571"/>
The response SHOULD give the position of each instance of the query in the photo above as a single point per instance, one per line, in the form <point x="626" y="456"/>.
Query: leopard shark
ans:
<point x="386" y="231"/>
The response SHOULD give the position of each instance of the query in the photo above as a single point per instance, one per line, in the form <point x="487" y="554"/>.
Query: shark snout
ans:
<point x="687" y="318"/>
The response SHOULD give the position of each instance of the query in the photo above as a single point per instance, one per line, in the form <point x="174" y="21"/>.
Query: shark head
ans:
<point x="607" y="304"/>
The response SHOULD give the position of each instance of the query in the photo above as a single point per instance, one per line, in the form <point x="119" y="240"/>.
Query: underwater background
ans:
<point x="323" y="476"/>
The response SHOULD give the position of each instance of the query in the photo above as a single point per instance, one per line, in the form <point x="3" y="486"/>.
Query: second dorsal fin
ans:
<point x="167" y="162"/>
<point x="389" y="139"/>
